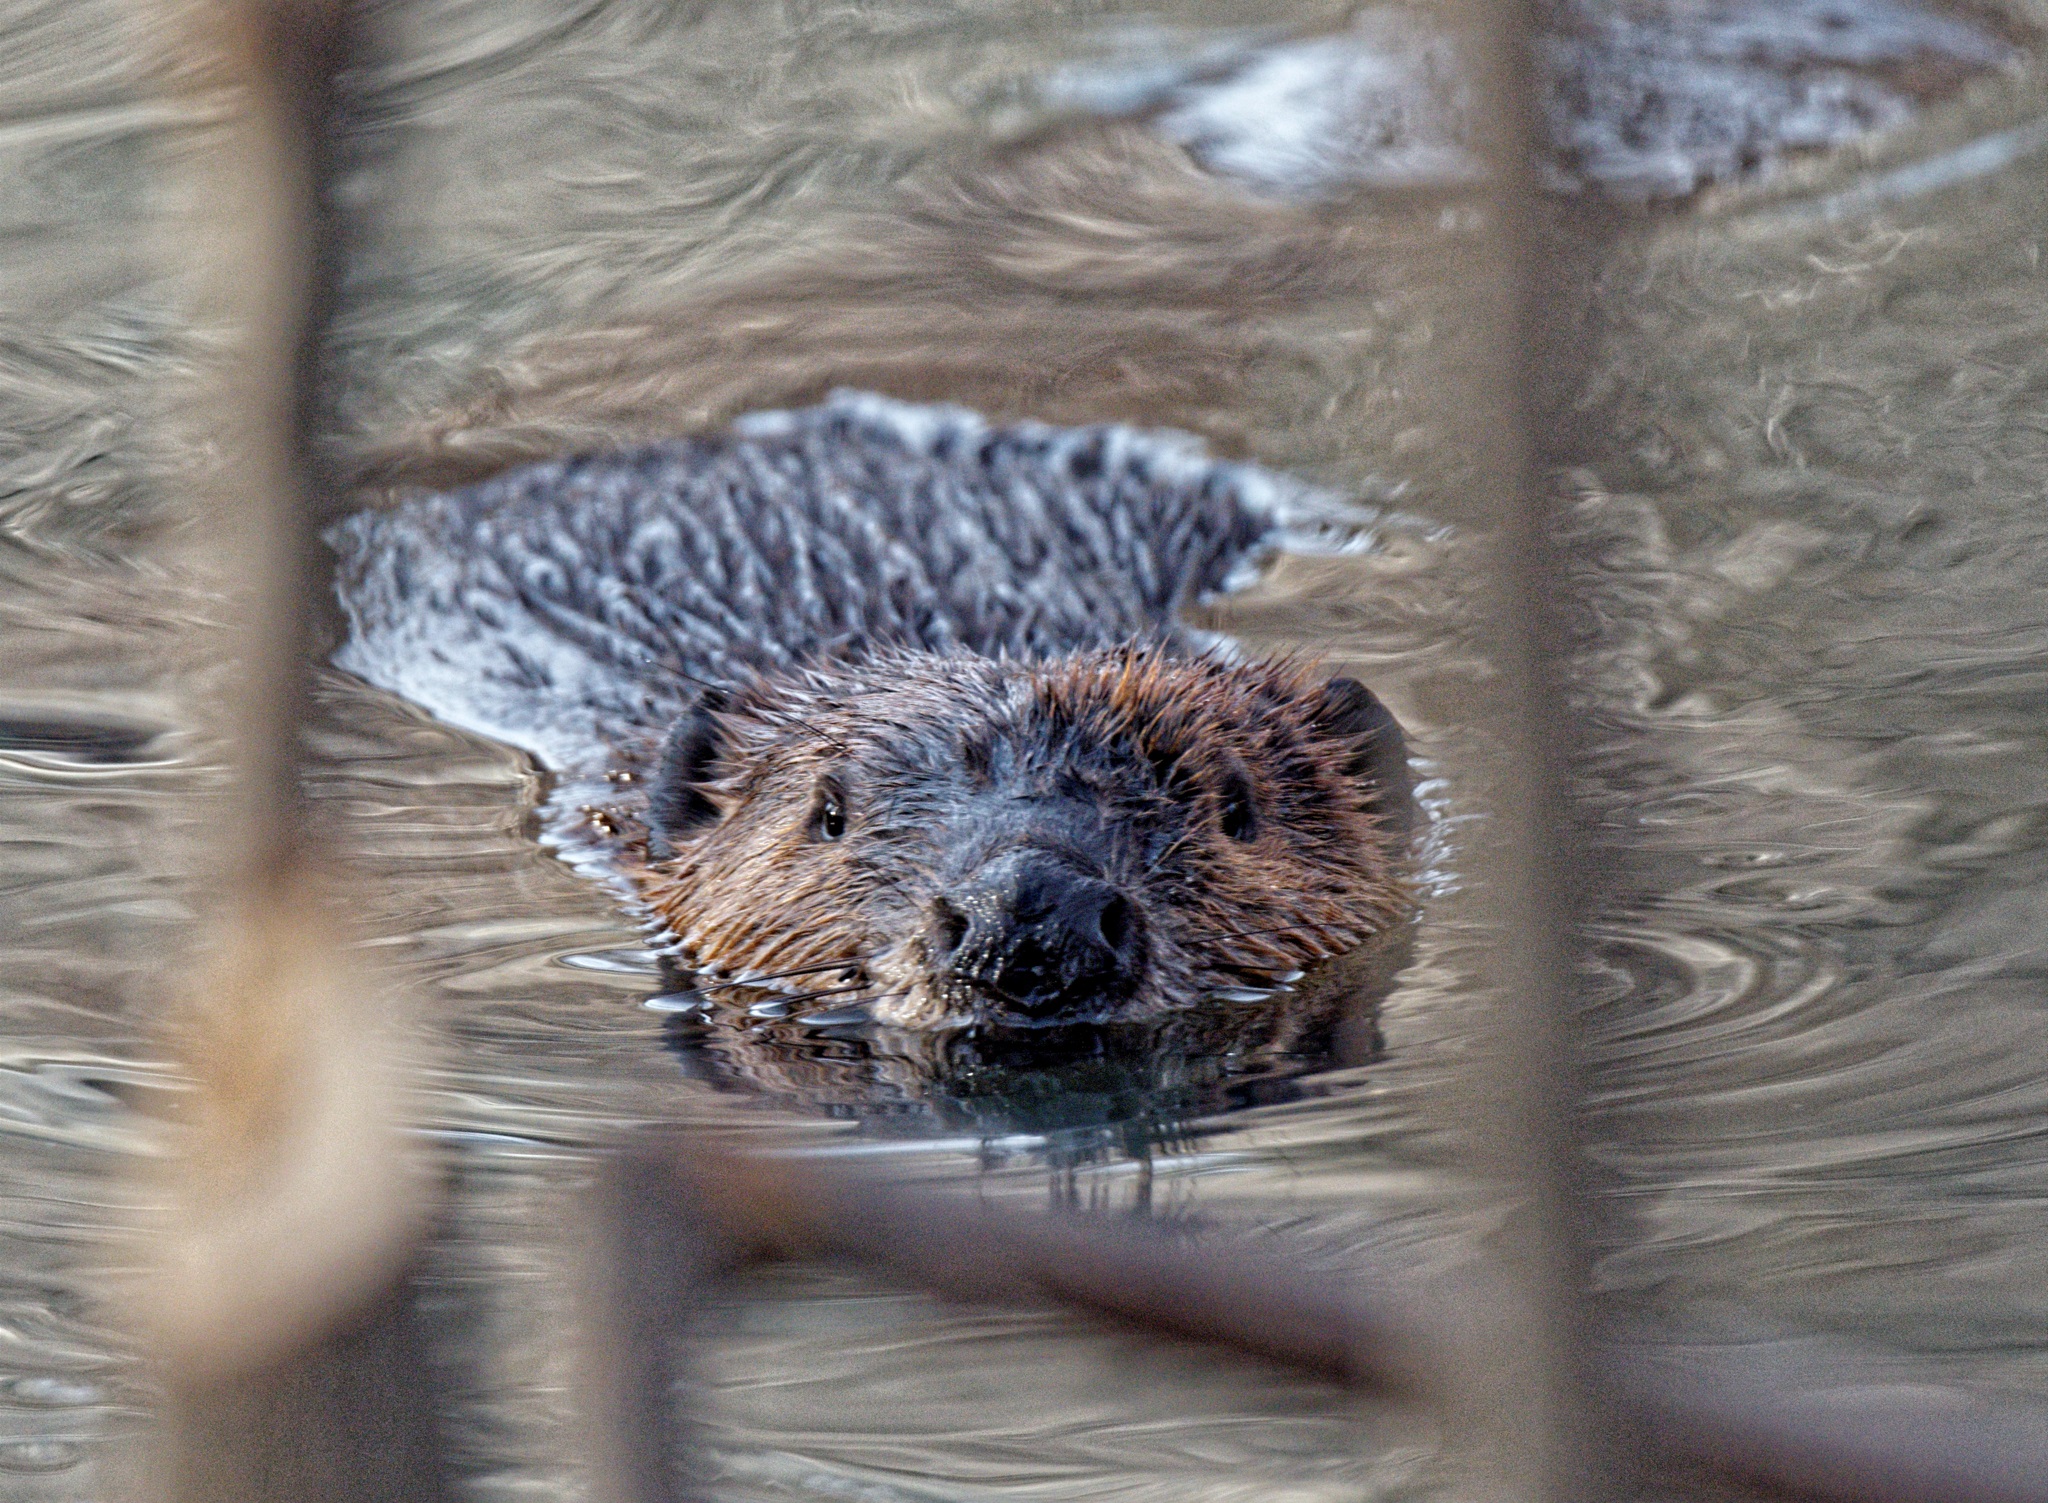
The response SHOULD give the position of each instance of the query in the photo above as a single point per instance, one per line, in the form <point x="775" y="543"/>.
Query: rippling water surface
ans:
<point x="1797" y="436"/>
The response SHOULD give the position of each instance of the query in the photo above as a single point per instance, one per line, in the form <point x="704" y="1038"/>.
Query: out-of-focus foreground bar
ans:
<point x="1796" y="1417"/>
<point x="275" y="1293"/>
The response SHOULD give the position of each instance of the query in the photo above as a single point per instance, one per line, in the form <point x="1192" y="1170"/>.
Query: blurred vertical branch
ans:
<point x="1545" y="1433"/>
<point x="276" y="1299"/>
<point x="278" y="250"/>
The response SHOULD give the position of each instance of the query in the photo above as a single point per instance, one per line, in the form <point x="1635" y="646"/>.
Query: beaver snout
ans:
<point x="1039" y="937"/>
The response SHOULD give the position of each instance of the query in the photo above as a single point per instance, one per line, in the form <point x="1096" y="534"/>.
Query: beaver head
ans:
<point x="1104" y="835"/>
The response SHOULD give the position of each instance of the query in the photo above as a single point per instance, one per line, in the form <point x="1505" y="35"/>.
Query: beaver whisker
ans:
<point x="1184" y="838"/>
<point x="802" y="970"/>
<point x="1267" y="981"/>
<point x="1217" y="939"/>
<point x="804" y="725"/>
<point x="792" y="998"/>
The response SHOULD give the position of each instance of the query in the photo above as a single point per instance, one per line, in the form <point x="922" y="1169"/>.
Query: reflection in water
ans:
<point x="1133" y="1084"/>
<point x="1802" y="463"/>
<point x="74" y="742"/>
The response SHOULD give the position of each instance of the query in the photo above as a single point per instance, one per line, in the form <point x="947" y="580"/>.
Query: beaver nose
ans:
<point x="1041" y="935"/>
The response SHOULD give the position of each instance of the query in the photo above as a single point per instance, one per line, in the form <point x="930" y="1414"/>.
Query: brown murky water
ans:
<point x="1798" y="434"/>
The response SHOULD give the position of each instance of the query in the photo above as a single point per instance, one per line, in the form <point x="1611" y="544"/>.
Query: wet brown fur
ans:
<point x="1140" y="748"/>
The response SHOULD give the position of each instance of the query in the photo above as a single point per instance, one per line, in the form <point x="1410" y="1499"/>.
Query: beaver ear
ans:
<point x="1346" y="708"/>
<point x="676" y="807"/>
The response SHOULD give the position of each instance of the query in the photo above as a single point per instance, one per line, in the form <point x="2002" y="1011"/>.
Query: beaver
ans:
<point x="883" y="704"/>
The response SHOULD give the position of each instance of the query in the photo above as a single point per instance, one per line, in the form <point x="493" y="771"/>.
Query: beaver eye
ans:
<point x="830" y="819"/>
<point x="1239" y="816"/>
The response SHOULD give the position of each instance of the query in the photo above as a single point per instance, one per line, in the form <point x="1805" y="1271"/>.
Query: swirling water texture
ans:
<point x="1816" y="686"/>
<point x="1801" y="471"/>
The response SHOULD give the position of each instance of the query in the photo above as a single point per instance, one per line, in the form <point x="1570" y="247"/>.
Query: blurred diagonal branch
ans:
<point x="1805" y="1417"/>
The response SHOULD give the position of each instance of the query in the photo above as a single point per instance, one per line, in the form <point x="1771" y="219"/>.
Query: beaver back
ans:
<point x="574" y="606"/>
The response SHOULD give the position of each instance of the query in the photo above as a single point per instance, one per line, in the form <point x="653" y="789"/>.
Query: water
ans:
<point x="1798" y="433"/>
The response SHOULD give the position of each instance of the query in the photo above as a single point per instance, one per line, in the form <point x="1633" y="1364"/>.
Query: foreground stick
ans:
<point x="1804" y="1417"/>
<point x="276" y="1298"/>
